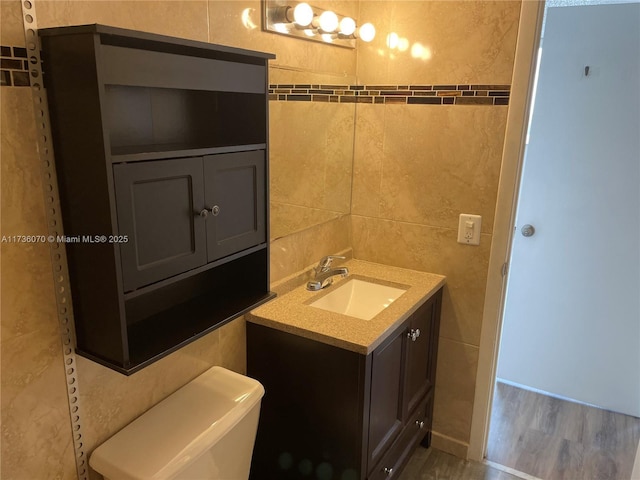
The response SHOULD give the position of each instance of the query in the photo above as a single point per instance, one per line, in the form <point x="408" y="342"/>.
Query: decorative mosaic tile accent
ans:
<point x="14" y="66"/>
<point x="14" y="72"/>
<point x="453" y="94"/>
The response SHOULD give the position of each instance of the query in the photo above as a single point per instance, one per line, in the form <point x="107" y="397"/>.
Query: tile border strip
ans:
<point x="15" y="73"/>
<point x="14" y="66"/>
<point x="450" y="94"/>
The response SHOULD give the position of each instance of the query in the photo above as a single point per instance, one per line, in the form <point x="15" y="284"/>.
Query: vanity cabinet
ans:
<point x="329" y="412"/>
<point x="162" y="166"/>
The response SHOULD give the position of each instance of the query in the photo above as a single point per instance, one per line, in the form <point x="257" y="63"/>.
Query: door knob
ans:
<point x="203" y="213"/>
<point x="215" y="210"/>
<point x="528" y="230"/>
<point x="388" y="471"/>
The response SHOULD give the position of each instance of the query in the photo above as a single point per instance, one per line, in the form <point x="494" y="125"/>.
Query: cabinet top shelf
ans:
<point x="158" y="152"/>
<point x="152" y="41"/>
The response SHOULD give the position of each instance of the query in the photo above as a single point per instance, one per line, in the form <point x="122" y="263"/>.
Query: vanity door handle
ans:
<point x="413" y="334"/>
<point x="388" y="471"/>
<point x="419" y="424"/>
<point x="215" y="210"/>
<point x="204" y="213"/>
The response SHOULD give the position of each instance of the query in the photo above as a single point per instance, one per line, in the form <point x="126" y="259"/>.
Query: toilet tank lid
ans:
<point x="179" y="429"/>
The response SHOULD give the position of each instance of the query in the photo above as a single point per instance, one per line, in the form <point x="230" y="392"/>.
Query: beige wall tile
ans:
<point x="186" y="19"/>
<point x="311" y="151"/>
<point x="373" y="57"/>
<point x="233" y="347"/>
<point x="338" y="152"/>
<point x="11" y="30"/>
<point x="298" y="251"/>
<point x="447" y="41"/>
<point x="434" y="250"/>
<point x="286" y="219"/>
<point x="455" y="387"/>
<point x="36" y="429"/>
<point x="284" y="74"/>
<point x="35" y="416"/>
<point x="441" y="161"/>
<point x="368" y="159"/>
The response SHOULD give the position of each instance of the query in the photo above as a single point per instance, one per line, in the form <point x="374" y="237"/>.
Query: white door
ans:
<point x="572" y="314"/>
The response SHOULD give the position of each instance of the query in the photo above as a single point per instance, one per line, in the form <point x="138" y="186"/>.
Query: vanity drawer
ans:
<point x="413" y="432"/>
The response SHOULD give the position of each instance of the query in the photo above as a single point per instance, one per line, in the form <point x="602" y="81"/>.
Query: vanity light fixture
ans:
<point x="299" y="19"/>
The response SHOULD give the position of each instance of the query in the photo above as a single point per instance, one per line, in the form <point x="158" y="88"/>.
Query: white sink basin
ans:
<point x="359" y="298"/>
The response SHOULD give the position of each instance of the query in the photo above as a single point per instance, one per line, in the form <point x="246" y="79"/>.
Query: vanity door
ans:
<point x="159" y="206"/>
<point x="422" y="350"/>
<point x="235" y="195"/>
<point x="385" y="414"/>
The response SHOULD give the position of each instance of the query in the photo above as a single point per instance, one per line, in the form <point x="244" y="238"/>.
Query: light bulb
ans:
<point x="347" y="26"/>
<point x="392" y="40"/>
<point x="328" y="21"/>
<point x="303" y="14"/>
<point x="417" y="50"/>
<point x="367" y="32"/>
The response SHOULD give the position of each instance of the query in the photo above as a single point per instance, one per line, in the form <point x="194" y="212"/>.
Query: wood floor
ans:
<point x="559" y="440"/>
<point x="432" y="464"/>
<point x="543" y="437"/>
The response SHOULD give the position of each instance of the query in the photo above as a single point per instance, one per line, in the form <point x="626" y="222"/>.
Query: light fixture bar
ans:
<point x="301" y="20"/>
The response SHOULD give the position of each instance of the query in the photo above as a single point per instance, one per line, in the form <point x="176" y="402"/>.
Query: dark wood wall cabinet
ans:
<point x="162" y="165"/>
<point x="334" y="413"/>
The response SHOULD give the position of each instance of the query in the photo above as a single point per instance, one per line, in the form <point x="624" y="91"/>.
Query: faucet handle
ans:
<point x="325" y="262"/>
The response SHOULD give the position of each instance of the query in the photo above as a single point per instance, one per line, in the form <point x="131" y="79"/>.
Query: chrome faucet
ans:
<point x="324" y="273"/>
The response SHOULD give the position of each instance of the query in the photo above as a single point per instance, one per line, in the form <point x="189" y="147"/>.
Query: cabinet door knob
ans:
<point x="413" y="334"/>
<point x="387" y="470"/>
<point x="419" y="424"/>
<point x="204" y="212"/>
<point x="215" y="210"/>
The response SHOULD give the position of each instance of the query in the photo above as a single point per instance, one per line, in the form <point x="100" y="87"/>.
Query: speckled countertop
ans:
<point x="292" y="313"/>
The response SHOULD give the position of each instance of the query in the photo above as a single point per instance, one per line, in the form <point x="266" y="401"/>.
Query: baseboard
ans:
<point x="548" y="394"/>
<point x="449" y="445"/>
<point x="635" y="474"/>
<point x="511" y="471"/>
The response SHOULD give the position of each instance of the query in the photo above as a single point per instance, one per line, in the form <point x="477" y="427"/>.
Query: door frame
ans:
<point x="522" y="85"/>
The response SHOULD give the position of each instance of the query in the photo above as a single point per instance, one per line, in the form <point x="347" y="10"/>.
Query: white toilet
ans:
<point x="205" y="430"/>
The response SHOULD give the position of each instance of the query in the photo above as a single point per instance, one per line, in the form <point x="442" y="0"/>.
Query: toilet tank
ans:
<point x="205" y="430"/>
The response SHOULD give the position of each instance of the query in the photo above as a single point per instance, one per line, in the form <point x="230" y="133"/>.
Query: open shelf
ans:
<point x="144" y="120"/>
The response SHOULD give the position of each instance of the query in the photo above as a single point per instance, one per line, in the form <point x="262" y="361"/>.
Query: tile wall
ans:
<point x="36" y="430"/>
<point x="415" y="168"/>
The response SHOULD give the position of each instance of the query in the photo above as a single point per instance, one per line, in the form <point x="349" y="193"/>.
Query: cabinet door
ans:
<point x="235" y="194"/>
<point x="159" y="206"/>
<point x="385" y="414"/>
<point x="422" y="342"/>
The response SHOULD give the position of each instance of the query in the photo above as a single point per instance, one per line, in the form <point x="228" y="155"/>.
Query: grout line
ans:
<point x="453" y="229"/>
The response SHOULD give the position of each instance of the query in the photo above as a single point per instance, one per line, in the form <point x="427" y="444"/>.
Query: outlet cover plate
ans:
<point x="469" y="229"/>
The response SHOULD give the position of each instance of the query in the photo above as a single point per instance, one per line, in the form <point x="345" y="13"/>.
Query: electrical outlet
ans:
<point x="469" y="229"/>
